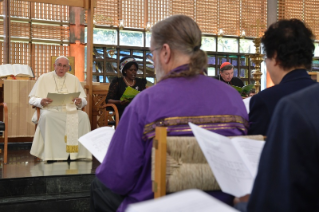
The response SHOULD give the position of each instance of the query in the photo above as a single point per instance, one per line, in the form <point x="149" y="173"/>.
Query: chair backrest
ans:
<point x="101" y="116"/>
<point x="179" y="164"/>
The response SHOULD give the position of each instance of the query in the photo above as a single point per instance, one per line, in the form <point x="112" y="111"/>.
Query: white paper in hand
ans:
<point x="229" y="168"/>
<point x="98" y="141"/>
<point x="191" y="200"/>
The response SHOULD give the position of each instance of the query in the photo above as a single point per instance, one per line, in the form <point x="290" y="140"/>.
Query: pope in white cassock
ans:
<point x="59" y="127"/>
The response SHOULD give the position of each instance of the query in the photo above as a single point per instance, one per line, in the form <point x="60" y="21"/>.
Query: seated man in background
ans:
<point x="183" y="94"/>
<point x="227" y="75"/>
<point x="289" y="49"/>
<point x="288" y="173"/>
<point x="59" y="127"/>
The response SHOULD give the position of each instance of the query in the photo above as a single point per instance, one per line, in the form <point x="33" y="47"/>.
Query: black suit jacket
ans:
<point x="288" y="171"/>
<point x="234" y="81"/>
<point x="262" y="105"/>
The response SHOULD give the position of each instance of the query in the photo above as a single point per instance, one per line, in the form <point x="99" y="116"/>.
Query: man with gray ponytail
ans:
<point x="183" y="94"/>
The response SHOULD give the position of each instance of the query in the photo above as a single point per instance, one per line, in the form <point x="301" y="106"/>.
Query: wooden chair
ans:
<point x="4" y="129"/>
<point x="101" y="116"/>
<point x="179" y="164"/>
<point x="111" y="117"/>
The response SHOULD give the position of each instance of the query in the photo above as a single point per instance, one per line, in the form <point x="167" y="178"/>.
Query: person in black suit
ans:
<point x="289" y="49"/>
<point x="227" y="75"/>
<point x="288" y="173"/>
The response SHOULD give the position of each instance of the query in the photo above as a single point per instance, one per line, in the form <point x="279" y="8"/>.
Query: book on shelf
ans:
<point x="15" y="70"/>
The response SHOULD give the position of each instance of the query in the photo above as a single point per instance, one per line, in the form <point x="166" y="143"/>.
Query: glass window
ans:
<point x="150" y="81"/>
<point x="228" y="45"/>
<point x="97" y="67"/>
<point x="148" y="39"/>
<point x="103" y="36"/>
<point x="208" y="44"/>
<point x="316" y="53"/>
<point x="131" y="38"/>
<point x="247" y="46"/>
<point x="111" y="67"/>
<point x="243" y="73"/>
<point x="109" y="79"/>
<point x="211" y="71"/>
<point x="98" y="53"/>
<point x="211" y="60"/>
<point x="111" y="53"/>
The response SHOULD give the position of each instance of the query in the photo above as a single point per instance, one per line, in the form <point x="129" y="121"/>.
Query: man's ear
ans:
<point x="166" y="53"/>
<point x="277" y="62"/>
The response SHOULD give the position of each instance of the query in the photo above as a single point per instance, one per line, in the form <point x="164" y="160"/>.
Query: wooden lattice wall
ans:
<point x="306" y="10"/>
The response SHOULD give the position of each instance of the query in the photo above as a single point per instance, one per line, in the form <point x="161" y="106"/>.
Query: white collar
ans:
<point x="59" y="76"/>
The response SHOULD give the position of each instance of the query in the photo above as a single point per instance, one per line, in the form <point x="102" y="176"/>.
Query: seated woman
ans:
<point x="128" y="68"/>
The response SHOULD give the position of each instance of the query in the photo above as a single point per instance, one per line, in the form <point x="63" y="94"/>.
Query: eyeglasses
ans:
<point x="149" y="56"/>
<point x="155" y="49"/>
<point x="64" y="66"/>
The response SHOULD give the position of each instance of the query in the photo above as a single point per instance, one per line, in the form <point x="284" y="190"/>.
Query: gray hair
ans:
<point x="60" y="57"/>
<point x="182" y="33"/>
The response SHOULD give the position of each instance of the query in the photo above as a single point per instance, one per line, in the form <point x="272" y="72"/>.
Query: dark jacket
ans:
<point x="288" y="172"/>
<point x="262" y="105"/>
<point x="234" y="81"/>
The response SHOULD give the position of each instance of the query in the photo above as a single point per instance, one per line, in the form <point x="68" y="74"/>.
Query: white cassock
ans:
<point x="57" y="123"/>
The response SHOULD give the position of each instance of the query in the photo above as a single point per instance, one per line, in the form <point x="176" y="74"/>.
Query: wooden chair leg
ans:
<point x="5" y="151"/>
<point x="159" y="143"/>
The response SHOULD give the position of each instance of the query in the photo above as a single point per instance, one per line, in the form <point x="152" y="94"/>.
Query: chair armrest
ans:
<point x="115" y="111"/>
<point x="5" y="107"/>
<point x="6" y="120"/>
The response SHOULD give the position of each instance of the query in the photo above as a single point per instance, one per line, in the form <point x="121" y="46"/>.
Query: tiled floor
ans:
<point x="21" y="164"/>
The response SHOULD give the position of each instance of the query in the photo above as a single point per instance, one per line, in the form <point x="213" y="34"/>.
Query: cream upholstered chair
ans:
<point x="4" y="129"/>
<point x="178" y="164"/>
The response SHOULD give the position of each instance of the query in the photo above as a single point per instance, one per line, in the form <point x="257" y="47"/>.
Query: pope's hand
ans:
<point x="45" y="101"/>
<point x="77" y="101"/>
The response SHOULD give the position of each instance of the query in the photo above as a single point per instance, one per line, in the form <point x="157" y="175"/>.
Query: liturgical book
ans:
<point x="184" y="201"/>
<point x="16" y="70"/>
<point x="234" y="161"/>
<point x="61" y="98"/>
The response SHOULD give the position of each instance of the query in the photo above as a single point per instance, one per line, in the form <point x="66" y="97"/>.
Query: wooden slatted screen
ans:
<point x="184" y="7"/>
<point x="41" y="57"/>
<point x="20" y="53"/>
<point x="291" y="9"/>
<point x="229" y="16"/>
<point x="107" y="12"/>
<point x="1" y="8"/>
<point x="19" y="9"/>
<point x="205" y="10"/>
<point x="132" y="13"/>
<point x="258" y="24"/>
<point x="1" y="28"/>
<point x="1" y="52"/>
<point x="50" y="12"/>
<point x="305" y="10"/>
<point x="158" y="10"/>
<point x="41" y="31"/>
<point x="311" y="16"/>
<point x="18" y="29"/>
